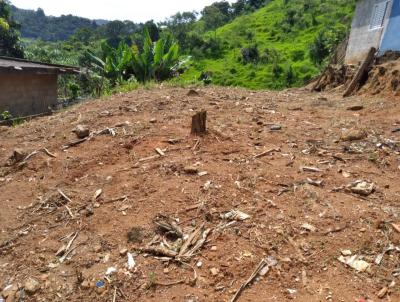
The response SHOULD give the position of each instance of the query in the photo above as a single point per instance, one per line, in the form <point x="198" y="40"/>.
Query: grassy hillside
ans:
<point x="270" y="48"/>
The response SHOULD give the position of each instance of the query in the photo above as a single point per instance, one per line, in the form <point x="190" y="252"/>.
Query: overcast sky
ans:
<point x="135" y="10"/>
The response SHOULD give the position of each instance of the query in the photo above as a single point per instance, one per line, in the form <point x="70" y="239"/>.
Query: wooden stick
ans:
<point x="75" y="143"/>
<point x="64" y="196"/>
<point x="267" y="152"/>
<point x="48" y="153"/>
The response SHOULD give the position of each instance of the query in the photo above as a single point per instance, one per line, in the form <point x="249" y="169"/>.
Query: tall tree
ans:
<point x="9" y="35"/>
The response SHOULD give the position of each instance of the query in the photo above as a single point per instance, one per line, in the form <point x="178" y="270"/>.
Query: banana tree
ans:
<point x="156" y="60"/>
<point x="115" y="62"/>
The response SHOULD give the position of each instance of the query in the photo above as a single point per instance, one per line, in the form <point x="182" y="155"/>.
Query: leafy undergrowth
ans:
<point x="277" y="39"/>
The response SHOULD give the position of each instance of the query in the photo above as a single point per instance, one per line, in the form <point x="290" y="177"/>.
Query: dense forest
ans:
<point x="250" y="43"/>
<point x="36" y="25"/>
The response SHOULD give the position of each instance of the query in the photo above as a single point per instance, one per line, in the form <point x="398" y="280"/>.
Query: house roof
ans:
<point x="20" y="65"/>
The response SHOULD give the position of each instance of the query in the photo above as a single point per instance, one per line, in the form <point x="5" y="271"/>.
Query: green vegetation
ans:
<point x="250" y="43"/>
<point x="283" y="44"/>
<point x="9" y="36"/>
<point x="36" y="25"/>
<point x="156" y="61"/>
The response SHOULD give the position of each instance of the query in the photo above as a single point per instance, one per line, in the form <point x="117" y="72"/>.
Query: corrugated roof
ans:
<point x="13" y="64"/>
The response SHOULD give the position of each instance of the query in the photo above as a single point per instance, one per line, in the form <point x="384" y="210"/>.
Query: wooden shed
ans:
<point x="29" y="88"/>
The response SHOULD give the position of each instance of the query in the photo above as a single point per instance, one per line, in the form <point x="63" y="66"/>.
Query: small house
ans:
<point x="376" y="24"/>
<point x="29" y="88"/>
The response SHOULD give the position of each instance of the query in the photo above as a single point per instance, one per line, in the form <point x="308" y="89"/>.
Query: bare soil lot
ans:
<point x="317" y="175"/>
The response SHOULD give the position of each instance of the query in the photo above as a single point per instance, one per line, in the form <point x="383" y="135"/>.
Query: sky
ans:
<point x="134" y="10"/>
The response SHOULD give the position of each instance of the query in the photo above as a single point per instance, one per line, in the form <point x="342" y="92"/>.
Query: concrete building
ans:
<point x="376" y="24"/>
<point x="29" y="88"/>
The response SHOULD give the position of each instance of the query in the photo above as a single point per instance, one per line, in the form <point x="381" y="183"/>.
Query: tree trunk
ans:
<point x="199" y="123"/>
<point x="355" y="83"/>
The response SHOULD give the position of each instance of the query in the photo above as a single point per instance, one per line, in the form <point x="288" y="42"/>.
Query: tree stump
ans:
<point x="199" y="123"/>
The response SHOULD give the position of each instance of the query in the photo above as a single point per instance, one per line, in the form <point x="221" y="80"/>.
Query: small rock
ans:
<point x="353" y="135"/>
<point x="346" y="253"/>
<point x="97" y="248"/>
<point x="276" y="127"/>
<point x="309" y="227"/>
<point x="9" y="291"/>
<point x="191" y="170"/>
<point x="153" y="120"/>
<point x="382" y="293"/>
<point x="214" y="248"/>
<point x="81" y="131"/>
<point x="85" y="285"/>
<point x="123" y="252"/>
<point x="193" y="92"/>
<point x="31" y="286"/>
<point x="214" y="271"/>
<point x="355" y="108"/>
<point x="17" y="156"/>
<point x="362" y="188"/>
<point x="166" y="270"/>
<point x="135" y="235"/>
<point x="249" y="110"/>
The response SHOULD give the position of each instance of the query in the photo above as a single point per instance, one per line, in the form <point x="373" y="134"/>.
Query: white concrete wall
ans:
<point x="362" y="38"/>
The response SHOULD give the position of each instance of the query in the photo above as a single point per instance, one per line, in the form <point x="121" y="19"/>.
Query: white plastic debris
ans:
<point x="131" y="261"/>
<point x="235" y="215"/>
<point x="110" y="271"/>
<point x="355" y="262"/>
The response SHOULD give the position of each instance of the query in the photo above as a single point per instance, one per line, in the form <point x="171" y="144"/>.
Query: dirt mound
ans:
<point x="383" y="77"/>
<point x="289" y="196"/>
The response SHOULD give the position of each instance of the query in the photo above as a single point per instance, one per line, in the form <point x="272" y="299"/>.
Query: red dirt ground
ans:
<point x="271" y="189"/>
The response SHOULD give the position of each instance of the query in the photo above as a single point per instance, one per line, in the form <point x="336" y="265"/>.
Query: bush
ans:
<point x="250" y="54"/>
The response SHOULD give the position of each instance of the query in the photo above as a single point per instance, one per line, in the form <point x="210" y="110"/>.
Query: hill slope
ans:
<point x="270" y="48"/>
<point x="36" y="25"/>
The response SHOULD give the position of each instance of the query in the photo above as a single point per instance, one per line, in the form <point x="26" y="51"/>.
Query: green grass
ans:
<point x="267" y="29"/>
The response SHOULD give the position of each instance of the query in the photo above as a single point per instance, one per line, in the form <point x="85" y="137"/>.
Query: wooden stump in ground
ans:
<point x="199" y="123"/>
<point x="361" y="72"/>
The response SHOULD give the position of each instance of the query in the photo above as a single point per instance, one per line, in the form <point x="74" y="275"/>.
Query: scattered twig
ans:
<point x="122" y="198"/>
<point x="169" y="283"/>
<point x="160" y="152"/>
<point x="149" y="158"/>
<point x="69" y="212"/>
<point x="158" y="251"/>
<point x="68" y="248"/>
<point x="75" y="143"/>
<point x="268" y="152"/>
<point x="196" y="145"/>
<point x="265" y="262"/>
<point x="64" y="196"/>
<point x="48" y="153"/>
<point x="115" y="295"/>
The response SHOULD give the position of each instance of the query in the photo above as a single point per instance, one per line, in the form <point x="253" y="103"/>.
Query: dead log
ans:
<point x="199" y="123"/>
<point x="355" y="82"/>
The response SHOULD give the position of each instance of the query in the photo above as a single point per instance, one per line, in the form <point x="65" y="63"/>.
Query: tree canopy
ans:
<point x="9" y="36"/>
